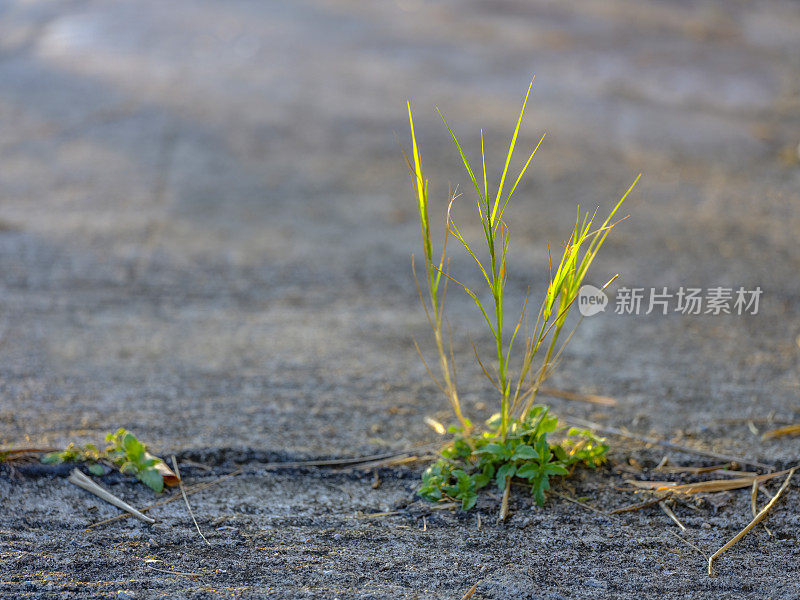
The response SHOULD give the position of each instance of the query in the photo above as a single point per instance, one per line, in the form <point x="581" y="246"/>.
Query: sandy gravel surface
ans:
<point x="205" y="231"/>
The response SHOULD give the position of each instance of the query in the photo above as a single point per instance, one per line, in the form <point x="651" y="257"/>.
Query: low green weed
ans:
<point x="124" y="451"/>
<point x="88" y="454"/>
<point x="470" y="463"/>
<point x="131" y="456"/>
<point x="515" y="442"/>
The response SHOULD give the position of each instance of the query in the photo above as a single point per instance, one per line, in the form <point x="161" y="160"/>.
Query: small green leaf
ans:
<point x="152" y="479"/>
<point x="431" y="493"/>
<point x="528" y="470"/>
<point x="133" y="448"/>
<point x="540" y="486"/>
<point x="503" y="473"/>
<point x="96" y="469"/>
<point x="463" y="481"/>
<point x="480" y="480"/>
<point x="469" y="500"/>
<point x="495" y="450"/>
<point x="555" y="469"/>
<point x="548" y="425"/>
<point x="52" y="458"/>
<point x="543" y="450"/>
<point x="524" y="452"/>
<point x="578" y="431"/>
<point x="128" y="467"/>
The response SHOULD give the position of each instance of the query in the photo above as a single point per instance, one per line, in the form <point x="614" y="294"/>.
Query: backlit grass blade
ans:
<point x="510" y="152"/>
<point x="519" y="178"/>
<point x="463" y="156"/>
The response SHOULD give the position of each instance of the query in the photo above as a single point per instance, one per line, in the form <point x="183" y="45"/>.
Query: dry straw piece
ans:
<point x="756" y="520"/>
<point x="470" y="592"/>
<point x="668" y="511"/>
<point x="716" y="485"/>
<point x="186" y="499"/>
<point x="782" y="431"/>
<point x="87" y="484"/>
<point x="578" y="397"/>
<point x="191" y="490"/>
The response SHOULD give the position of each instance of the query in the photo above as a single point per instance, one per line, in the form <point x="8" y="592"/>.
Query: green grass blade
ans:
<point x="420" y="186"/>
<point x="516" y="330"/>
<point x="483" y="162"/>
<point x="510" y="152"/>
<point x="463" y="156"/>
<point x="457" y="234"/>
<point x="474" y="296"/>
<point x="598" y="239"/>
<point x="521" y="174"/>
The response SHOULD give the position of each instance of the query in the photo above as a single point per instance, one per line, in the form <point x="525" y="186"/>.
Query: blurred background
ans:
<point x="206" y="221"/>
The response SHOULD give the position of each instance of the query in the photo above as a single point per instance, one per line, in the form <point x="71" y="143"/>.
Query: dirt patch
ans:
<point x="318" y="533"/>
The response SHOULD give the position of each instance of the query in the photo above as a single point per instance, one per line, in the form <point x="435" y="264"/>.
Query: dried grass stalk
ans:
<point x="756" y="520"/>
<point x="781" y="431"/>
<point x="82" y="481"/>
<point x="716" y="485"/>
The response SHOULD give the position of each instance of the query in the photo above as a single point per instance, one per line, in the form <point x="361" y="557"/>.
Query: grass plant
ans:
<point x="516" y="441"/>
